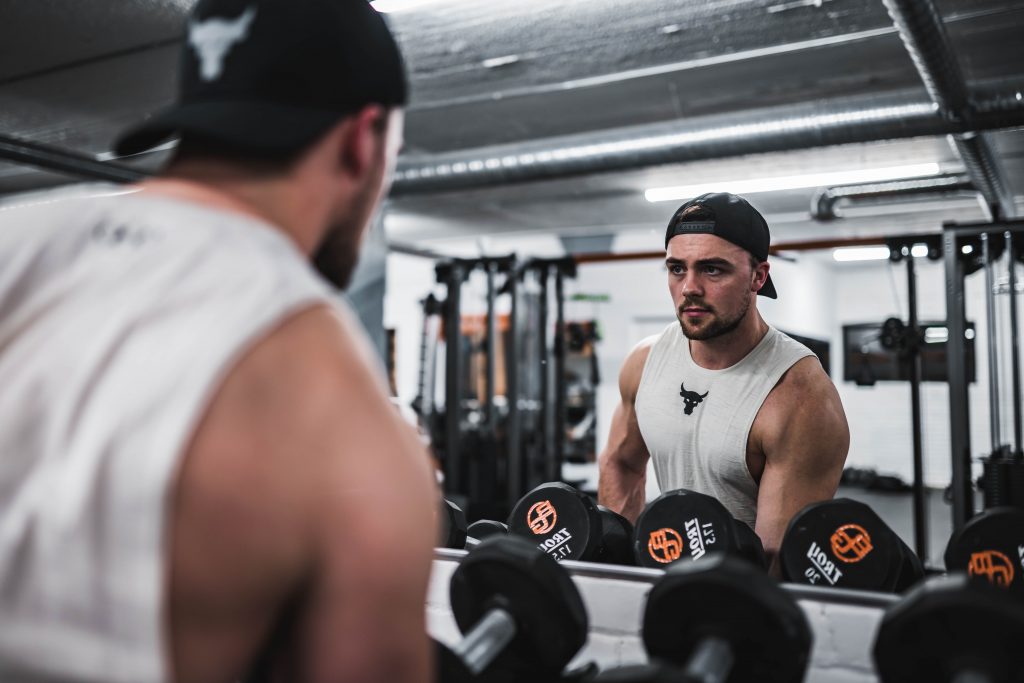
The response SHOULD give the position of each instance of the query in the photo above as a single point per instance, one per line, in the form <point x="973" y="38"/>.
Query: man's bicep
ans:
<point x="803" y="464"/>
<point x="625" y="442"/>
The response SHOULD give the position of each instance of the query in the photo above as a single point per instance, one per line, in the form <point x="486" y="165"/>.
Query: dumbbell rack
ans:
<point x="844" y="621"/>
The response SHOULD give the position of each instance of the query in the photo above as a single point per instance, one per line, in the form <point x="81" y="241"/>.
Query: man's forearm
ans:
<point x="622" y="488"/>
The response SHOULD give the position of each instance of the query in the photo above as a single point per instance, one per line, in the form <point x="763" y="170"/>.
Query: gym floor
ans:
<point x="897" y="509"/>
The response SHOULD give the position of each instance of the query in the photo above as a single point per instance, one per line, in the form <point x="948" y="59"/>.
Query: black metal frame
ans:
<point x="901" y="248"/>
<point x="527" y="461"/>
<point x="987" y="240"/>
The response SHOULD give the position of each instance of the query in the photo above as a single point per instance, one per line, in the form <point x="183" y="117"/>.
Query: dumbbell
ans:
<point x="484" y="528"/>
<point x="519" y="611"/>
<point x="991" y="545"/>
<point x="951" y="629"/>
<point x="721" y="619"/>
<point x="682" y="525"/>
<point x="453" y="529"/>
<point x="568" y="525"/>
<point x="842" y="543"/>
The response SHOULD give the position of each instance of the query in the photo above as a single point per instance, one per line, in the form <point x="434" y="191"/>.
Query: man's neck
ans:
<point x="268" y="201"/>
<point x="729" y="349"/>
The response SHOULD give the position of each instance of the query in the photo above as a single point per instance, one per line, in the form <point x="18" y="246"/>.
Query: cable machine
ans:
<point x="498" y="425"/>
<point x="969" y="248"/>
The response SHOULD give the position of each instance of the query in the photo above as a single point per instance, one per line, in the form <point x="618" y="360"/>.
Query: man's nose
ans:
<point x="691" y="284"/>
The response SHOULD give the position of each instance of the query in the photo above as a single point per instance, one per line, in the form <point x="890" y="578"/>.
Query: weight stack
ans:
<point x="1004" y="481"/>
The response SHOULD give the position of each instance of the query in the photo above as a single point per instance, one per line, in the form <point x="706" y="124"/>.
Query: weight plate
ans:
<point x="562" y="521"/>
<point x="991" y="546"/>
<point x="513" y="574"/>
<point x="841" y="543"/>
<point x="681" y="526"/>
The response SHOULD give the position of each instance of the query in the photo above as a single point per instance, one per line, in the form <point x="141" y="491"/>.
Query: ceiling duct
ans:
<point x="802" y="126"/>
<point x="63" y="161"/>
<point x="923" y="34"/>
<point x="823" y="205"/>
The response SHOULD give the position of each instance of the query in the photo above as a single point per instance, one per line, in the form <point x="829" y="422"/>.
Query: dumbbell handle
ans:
<point x="711" y="661"/>
<point x="486" y="640"/>
<point x="970" y="676"/>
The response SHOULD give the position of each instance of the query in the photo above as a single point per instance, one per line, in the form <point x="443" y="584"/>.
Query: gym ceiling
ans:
<point x="496" y="85"/>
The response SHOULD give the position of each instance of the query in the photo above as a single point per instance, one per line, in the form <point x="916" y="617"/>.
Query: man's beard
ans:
<point x="718" y="326"/>
<point x="338" y="254"/>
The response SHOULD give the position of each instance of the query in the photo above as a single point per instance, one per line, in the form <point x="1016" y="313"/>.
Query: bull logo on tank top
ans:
<point x="691" y="399"/>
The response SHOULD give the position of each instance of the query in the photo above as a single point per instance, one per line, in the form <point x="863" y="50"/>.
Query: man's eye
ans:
<point x="712" y="270"/>
<point x="675" y="270"/>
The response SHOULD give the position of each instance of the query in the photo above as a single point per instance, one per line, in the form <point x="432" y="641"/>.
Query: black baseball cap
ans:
<point x="273" y="75"/>
<point x="730" y="217"/>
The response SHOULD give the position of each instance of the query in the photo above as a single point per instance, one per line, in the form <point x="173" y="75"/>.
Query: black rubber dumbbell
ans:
<point x="843" y="543"/>
<point x="484" y="528"/>
<point x="991" y="546"/>
<point x="951" y="629"/>
<point x="568" y="525"/>
<point x="519" y="611"/>
<point x="716" y="621"/>
<point x="682" y="525"/>
<point x="452" y="527"/>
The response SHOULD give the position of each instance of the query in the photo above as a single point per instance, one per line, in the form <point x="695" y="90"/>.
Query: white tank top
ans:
<point x="695" y="422"/>
<point x="119" y="317"/>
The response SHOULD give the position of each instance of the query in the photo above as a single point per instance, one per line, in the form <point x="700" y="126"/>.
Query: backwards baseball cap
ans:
<point x="730" y="217"/>
<point x="273" y="75"/>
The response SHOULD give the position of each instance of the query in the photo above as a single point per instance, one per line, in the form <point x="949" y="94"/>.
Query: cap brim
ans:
<point x="768" y="289"/>
<point x="250" y="125"/>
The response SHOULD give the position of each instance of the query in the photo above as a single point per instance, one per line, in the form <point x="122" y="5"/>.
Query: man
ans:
<point x="201" y="477"/>
<point x="722" y="402"/>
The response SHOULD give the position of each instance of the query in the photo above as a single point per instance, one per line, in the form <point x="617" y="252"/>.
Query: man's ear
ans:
<point x="760" y="276"/>
<point x="363" y="140"/>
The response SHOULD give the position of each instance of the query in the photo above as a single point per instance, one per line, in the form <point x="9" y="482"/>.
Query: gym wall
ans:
<point x="817" y="297"/>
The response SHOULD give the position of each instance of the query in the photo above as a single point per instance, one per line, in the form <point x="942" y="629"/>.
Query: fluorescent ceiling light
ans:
<point x="793" y="182"/>
<point x="919" y="250"/>
<point x="861" y="254"/>
<point x="397" y="5"/>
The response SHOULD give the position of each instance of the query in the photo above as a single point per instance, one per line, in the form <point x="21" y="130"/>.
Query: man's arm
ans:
<point x="805" y="443"/>
<point x="623" y="465"/>
<point x="305" y="507"/>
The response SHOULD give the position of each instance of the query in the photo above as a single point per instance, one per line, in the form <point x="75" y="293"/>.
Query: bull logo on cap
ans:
<point x="214" y="38"/>
<point x="690" y="398"/>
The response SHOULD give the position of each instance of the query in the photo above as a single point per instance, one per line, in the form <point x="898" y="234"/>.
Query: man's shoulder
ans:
<point x="803" y="397"/>
<point x="633" y="367"/>
<point x="315" y="354"/>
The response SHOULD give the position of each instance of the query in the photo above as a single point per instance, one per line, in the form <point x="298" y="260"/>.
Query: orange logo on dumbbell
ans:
<point x="665" y="545"/>
<point x="851" y="543"/>
<point x="993" y="565"/>
<point x="541" y="517"/>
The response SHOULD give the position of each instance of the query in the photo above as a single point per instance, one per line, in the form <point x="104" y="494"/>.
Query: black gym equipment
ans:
<point x="485" y="528"/>
<point x="491" y="447"/>
<point x="951" y="630"/>
<point x="968" y="248"/>
<point x="991" y="546"/>
<point x="568" y="525"/>
<point x="682" y="525"/>
<point x="719" y="621"/>
<point x="519" y="611"/>
<point x="453" y="530"/>
<point x="843" y="543"/>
